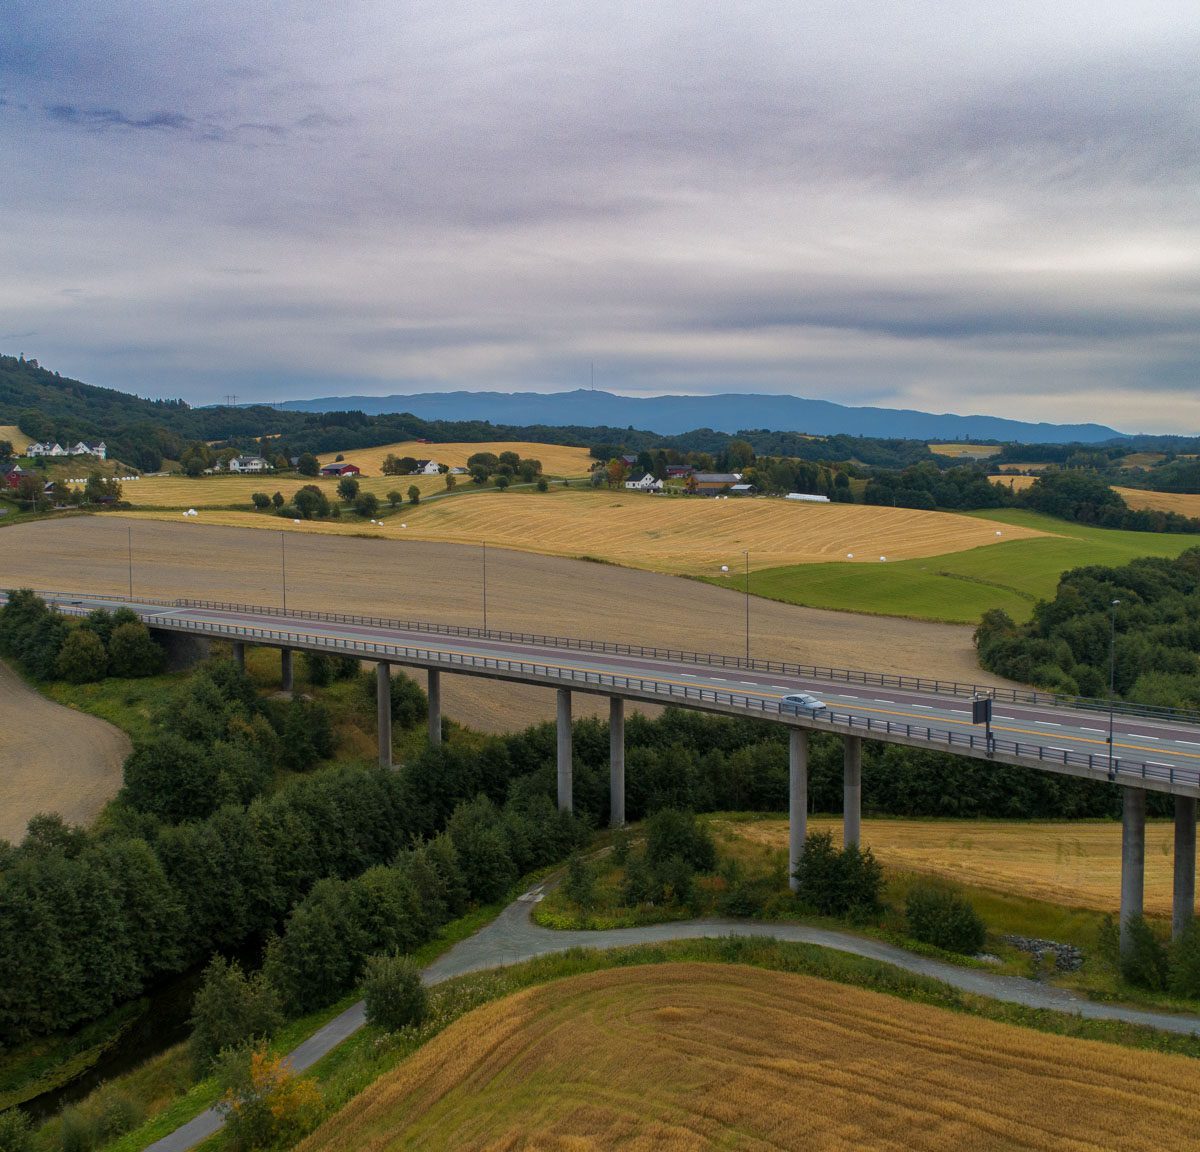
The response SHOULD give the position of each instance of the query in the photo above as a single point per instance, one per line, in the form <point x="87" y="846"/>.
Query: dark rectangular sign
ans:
<point x="981" y="710"/>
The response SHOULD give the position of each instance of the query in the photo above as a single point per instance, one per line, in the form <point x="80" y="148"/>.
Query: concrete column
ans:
<point x="797" y="800"/>
<point x="1185" y="864"/>
<point x="285" y="668"/>
<point x="565" y="792"/>
<point x="852" y="791"/>
<point x="616" y="761"/>
<point x="239" y="654"/>
<point x="1133" y="858"/>
<point x="383" y="710"/>
<point x="433" y="689"/>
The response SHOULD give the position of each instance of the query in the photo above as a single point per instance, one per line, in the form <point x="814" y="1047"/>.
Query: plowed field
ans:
<point x="699" y="1056"/>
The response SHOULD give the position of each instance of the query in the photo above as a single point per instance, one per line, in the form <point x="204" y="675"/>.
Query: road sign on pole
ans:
<point x="981" y="713"/>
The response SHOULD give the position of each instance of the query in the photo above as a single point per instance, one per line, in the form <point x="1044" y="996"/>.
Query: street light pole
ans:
<point x="283" y="563"/>
<point x="1112" y="681"/>
<point x="485" y="585"/>
<point x="129" y="545"/>
<point x="746" y="554"/>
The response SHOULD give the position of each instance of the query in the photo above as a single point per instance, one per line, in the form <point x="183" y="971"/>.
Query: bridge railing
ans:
<point x="666" y="692"/>
<point x="885" y="680"/>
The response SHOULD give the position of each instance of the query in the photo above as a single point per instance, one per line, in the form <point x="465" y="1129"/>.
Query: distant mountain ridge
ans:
<point x="725" y="412"/>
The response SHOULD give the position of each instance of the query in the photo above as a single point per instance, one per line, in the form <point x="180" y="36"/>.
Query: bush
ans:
<point x="15" y="1133"/>
<point x="132" y="651"/>
<point x="76" y="1132"/>
<point x="671" y="833"/>
<point x="82" y="658"/>
<point x="543" y="485"/>
<point x="395" y="997"/>
<point x="1184" y="961"/>
<point x="264" y="1103"/>
<point x="838" y="882"/>
<point x="116" y="1114"/>
<point x="940" y="916"/>
<point x="230" y="1009"/>
<point x="1144" y="962"/>
<point x="638" y="886"/>
<point x="580" y="884"/>
<point x="261" y="500"/>
<point x="620" y="847"/>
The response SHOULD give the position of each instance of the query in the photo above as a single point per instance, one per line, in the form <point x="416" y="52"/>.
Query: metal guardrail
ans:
<point x="665" y="692"/>
<point x="683" y="656"/>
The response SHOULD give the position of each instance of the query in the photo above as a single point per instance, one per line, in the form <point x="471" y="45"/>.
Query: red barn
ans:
<point x="341" y="470"/>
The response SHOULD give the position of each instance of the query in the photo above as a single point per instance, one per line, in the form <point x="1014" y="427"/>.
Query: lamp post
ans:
<point x="484" y="545"/>
<point x="1112" y="681"/>
<point x="129" y="549"/>
<point x="283" y="564"/>
<point x="746" y="554"/>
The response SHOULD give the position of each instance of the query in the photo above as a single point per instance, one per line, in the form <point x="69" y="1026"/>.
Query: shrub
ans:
<point x="940" y="916"/>
<point x="366" y="504"/>
<point x="318" y="668"/>
<point x="76" y="1132"/>
<point x="580" y="885"/>
<point x="838" y="882"/>
<point x="15" y="1134"/>
<point x="1184" y="975"/>
<point x="1144" y="961"/>
<point x="132" y="651"/>
<point x="620" y="847"/>
<point x="264" y="1103"/>
<point x="82" y="657"/>
<point x="677" y="879"/>
<point x="638" y="886"/>
<point x="395" y="997"/>
<point x="230" y="1009"/>
<point x="116" y="1114"/>
<point x="672" y="833"/>
<point x="543" y="485"/>
<point x="261" y="500"/>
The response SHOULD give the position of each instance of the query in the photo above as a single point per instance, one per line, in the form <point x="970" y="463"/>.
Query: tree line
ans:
<point x="1149" y="643"/>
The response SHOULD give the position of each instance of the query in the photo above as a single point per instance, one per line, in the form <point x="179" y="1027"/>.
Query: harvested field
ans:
<point x="1185" y="503"/>
<point x="1076" y="864"/>
<point x="686" y="1056"/>
<point x="52" y="759"/>
<point x="442" y="582"/>
<point x="679" y="535"/>
<point x="1035" y="466"/>
<point x="180" y="492"/>
<point x="1141" y="460"/>
<point x="557" y="459"/>
<point x="15" y="437"/>
<point x="966" y="451"/>
<point x="1014" y="483"/>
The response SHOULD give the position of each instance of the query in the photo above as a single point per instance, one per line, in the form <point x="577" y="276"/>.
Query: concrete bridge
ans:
<point x="1138" y="748"/>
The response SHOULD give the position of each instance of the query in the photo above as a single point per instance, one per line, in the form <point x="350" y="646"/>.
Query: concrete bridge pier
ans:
<point x="616" y="761"/>
<point x="239" y="654"/>
<point x="1133" y="859"/>
<point x="433" y="690"/>
<point x="383" y="709"/>
<point x="285" y="669"/>
<point x="852" y="792"/>
<point x="566" y="800"/>
<point x="1184" y="907"/>
<point x="797" y="800"/>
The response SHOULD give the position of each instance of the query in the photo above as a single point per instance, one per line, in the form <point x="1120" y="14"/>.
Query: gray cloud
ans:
<point x="963" y="207"/>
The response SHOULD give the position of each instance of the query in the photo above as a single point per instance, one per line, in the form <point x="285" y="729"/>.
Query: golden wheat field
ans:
<point x="15" y="437"/>
<point x="676" y="1057"/>
<point x="968" y="451"/>
<point x="1076" y="864"/>
<point x="676" y="535"/>
<point x="1014" y="483"/>
<point x="180" y="492"/>
<point x="557" y="459"/>
<point x="1141" y="460"/>
<point x="1185" y="503"/>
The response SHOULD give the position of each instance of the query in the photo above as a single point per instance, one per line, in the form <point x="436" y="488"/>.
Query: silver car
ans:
<point x="798" y="702"/>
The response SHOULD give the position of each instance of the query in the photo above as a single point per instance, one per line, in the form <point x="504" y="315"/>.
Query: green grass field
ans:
<point x="959" y="587"/>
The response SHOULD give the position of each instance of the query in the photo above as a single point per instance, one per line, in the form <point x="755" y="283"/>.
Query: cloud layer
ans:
<point x="967" y="207"/>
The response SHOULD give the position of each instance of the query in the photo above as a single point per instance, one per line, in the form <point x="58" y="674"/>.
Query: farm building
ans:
<point x="742" y="490"/>
<point x="645" y="483"/>
<point x="11" y="474"/>
<point x="248" y="464"/>
<point x="679" y="471"/>
<point x="341" y="469"/>
<point x="425" y="468"/>
<point x="47" y="449"/>
<point x="807" y="497"/>
<point x="713" y="483"/>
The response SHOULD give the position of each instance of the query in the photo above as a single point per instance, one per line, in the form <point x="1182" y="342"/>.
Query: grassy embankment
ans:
<point x="685" y="1055"/>
<point x="961" y="586"/>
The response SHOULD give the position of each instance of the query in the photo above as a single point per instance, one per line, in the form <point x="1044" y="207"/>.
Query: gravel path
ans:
<point x="513" y="937"/>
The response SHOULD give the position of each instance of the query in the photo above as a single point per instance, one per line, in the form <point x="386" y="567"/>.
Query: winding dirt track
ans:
<point x="52" y="759"/>
<point x="443" y="583"/>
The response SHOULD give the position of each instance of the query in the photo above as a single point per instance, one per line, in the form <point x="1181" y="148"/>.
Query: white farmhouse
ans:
<point x="47" y="449"/>
<point x="645" y="483"/>
<point x="248" y="464"/>
<point x="100" y="451"/>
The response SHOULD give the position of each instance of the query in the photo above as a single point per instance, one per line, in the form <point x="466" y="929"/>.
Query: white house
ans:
<point x="100" y="451"/>
<point x="47" y="449"/>
<point x="645" y="483"/>
<point x="248" y="464"/>
<point x="425" y="468"/>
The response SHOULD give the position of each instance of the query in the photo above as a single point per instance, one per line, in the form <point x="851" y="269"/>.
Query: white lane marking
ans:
<point x="957" y="711"/>
<point x="1143" y="737"/>
<point x="1189" y="743"/>
<point x="878" y="701"/>
<point x="1049" y="723"/>
<point x="1085" y="729"/>
<point x="1055" y="748"/>
<point x="929" y="706"/>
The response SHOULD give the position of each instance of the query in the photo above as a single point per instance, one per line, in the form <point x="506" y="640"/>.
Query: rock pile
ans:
<point x="1066" y="957"/>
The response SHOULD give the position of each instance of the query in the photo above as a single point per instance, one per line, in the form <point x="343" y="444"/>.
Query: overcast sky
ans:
<point x="959" y="206"/>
